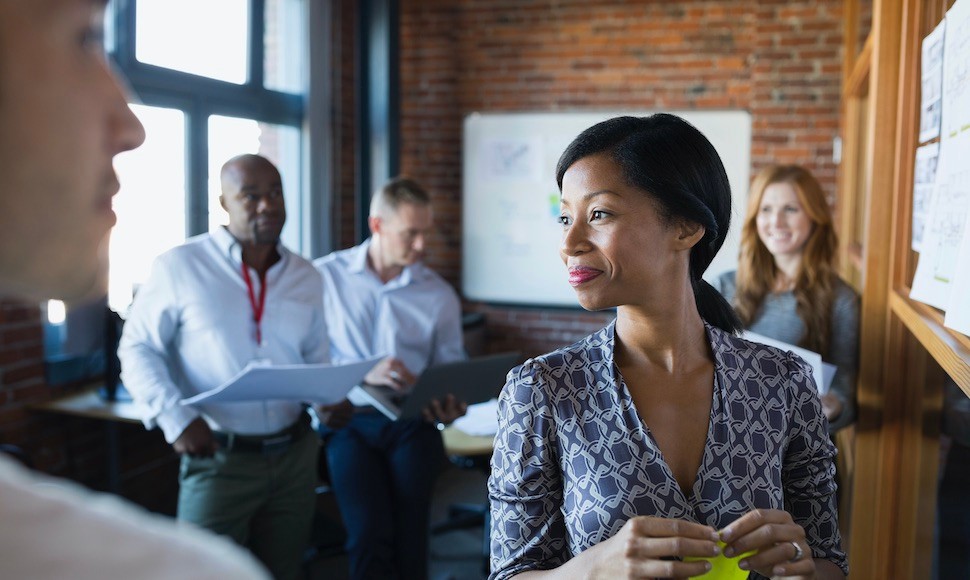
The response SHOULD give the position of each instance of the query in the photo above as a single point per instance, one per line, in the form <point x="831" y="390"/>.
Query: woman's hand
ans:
<point x="778" y="542"/>
<point x="646" y="547"/>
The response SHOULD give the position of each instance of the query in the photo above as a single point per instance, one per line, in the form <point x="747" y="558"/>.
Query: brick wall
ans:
<point x="344" y="217"/>
<point x="780" y="60"/>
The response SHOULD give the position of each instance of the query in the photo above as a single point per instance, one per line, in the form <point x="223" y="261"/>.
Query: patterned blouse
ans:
<point x="573" y="461"/>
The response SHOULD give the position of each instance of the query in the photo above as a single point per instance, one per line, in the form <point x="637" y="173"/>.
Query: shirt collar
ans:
<point x="358" y="265"/>
<point x="232" y="249"/>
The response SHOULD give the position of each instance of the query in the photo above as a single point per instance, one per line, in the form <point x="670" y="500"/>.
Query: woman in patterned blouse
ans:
<point x="663" y="436"/>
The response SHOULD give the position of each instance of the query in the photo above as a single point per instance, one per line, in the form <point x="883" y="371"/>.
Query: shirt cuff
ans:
<point x="173" y="421"/>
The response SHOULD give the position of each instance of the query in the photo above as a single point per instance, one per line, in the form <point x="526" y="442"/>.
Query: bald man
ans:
<point x="64" y="118"/>
<point x="209" y="308"/>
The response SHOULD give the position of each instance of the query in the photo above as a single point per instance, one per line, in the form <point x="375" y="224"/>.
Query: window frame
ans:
<point x="200" y="97"/>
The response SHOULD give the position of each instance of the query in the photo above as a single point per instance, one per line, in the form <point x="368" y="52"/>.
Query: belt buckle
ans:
<point x="276" y="444"/>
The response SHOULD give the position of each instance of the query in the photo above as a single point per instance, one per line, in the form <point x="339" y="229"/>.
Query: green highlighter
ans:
<point x="722" y="567"/>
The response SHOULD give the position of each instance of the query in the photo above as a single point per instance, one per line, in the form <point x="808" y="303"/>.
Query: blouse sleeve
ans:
<point x="525" y="488"/>
<point x="808" y="474"/>
<point x="844" y="354"/>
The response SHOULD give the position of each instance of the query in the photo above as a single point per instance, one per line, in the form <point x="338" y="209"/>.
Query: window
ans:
<point x="211" y="43"/>
<point x="214" y="79"/>
<point x="151" y="202"/>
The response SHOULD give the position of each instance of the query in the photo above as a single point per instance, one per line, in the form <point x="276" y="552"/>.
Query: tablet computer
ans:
<point x="473" y="381"/>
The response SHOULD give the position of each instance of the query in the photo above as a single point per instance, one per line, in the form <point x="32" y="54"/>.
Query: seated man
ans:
<point x="379" y="298"/>
<point x="210" y="307"/>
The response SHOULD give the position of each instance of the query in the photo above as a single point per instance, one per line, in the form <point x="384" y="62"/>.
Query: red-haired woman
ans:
<point x="786" y="286"/>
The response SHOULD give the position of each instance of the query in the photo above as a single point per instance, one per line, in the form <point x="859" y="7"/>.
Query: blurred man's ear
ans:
<point x="374" y="223"/>
<point x="222" y="202"/>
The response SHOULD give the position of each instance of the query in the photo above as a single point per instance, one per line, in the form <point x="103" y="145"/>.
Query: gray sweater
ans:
<point x="779" y="319"/>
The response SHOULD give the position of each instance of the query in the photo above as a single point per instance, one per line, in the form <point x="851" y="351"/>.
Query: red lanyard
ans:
<point x="257" y="306"/>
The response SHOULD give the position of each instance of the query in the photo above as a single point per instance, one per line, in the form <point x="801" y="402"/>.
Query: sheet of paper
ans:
<point x="923" y="183"/>
<point x="958" y="312"/>
<point x="480" y="420"/>
<point x="956" y="70"/>
<point x="931" y="105"/>
<point x="945" y="223"/>
<point x="812" y="358"/>
<point x="828" y="375"/>
<point x="955" y="141"/>
<point x="313" y="383"/>
<point x="944" y="229"/>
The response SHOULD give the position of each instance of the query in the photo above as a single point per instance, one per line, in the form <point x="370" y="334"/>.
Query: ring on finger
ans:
<point x="798" y="552"/>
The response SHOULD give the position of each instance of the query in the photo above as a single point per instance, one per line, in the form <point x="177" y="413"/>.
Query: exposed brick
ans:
<point x="778" y="59"/>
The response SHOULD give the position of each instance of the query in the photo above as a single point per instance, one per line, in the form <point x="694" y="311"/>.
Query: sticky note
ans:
<point x="722" y="567"/>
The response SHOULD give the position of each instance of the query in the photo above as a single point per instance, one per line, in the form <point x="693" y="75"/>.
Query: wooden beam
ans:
<point x="860" y="70"/>
<point x="950" y="349"/>
<point x="878" y="431"/>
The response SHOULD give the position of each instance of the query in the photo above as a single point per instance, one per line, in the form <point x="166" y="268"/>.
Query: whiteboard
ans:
<point x="510" y="201"/>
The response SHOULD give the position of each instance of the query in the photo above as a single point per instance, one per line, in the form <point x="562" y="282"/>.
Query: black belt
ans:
<point x="273" y="443"/>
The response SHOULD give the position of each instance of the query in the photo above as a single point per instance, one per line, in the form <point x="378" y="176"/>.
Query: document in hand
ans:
<point x="314" y="383"/>
<point x="822" y="372"/>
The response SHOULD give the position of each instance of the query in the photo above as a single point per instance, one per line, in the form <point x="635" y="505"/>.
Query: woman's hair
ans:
<point x="815" y="281"/>
<point x="672" y="162"/>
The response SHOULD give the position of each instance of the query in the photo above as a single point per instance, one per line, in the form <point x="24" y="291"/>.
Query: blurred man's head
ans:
<point x="63" y="118"/>
<point x="400" y="222"/>
<point x="252" y="194"/>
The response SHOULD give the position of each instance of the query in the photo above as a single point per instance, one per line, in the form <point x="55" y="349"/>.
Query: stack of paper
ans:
<point x="314" y="383"/>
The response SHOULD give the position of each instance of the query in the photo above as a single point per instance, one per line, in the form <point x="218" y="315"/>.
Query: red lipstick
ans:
<point x="581" y="274"/>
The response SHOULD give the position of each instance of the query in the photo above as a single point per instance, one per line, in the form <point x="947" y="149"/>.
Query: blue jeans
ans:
<point x="382" y="473"/>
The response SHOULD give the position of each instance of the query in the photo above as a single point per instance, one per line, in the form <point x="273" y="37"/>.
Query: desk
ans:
<point x="457" y="442"/>
<point x="88" y="404"/>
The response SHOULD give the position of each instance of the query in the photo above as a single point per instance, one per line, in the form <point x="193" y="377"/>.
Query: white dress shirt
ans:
<point x="52" y="528"/>
<point x="415" y="317"/>
<point x="191" y="328"/>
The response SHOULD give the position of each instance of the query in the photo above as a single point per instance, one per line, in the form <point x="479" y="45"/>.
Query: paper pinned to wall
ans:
<point x="956" y="71"/>
<point x="958" y="313"/>
<point x="924" y="179"/>
<point x="931" y="104"/>
<point x="945" y="225"/>
<point x="944" y="228"/>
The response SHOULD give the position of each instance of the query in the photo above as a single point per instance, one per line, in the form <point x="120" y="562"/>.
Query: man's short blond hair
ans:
<point x="399" y="190"/>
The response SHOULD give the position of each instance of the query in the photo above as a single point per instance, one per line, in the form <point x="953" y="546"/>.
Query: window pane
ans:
<point x="208" y="38"/>
<point x="151" y="203"/>
<point x="231" y="136"/>
<point x="285" y="41"/>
